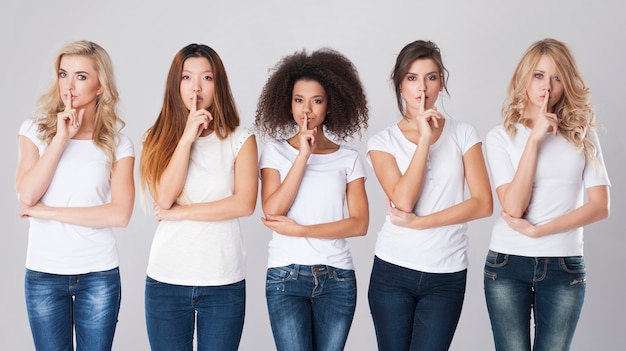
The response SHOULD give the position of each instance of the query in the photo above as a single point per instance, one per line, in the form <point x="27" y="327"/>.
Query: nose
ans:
<point x="306" y="107"/>
<point x="421" y="85"/>
<point x="196" y="87"/>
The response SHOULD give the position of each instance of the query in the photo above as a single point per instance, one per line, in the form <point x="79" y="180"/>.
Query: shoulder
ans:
<point x="383" y="137"/>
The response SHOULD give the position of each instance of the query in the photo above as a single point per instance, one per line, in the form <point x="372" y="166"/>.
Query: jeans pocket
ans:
<point x="494" y="261"/>
<point x="278" y="275"/>
<point x="343" y="275"/>
<point x="572" y="264"/>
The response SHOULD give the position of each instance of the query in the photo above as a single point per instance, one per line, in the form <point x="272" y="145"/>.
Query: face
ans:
<point x="423" y="76"/>
<point x="544" y="78"/>
<point x="78" y="76"/>
<point x="197" y="80"/>
<point x="309" y="100"/>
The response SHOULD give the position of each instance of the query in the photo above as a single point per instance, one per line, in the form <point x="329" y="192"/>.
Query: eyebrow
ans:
<point x="77" y="72"/>
<point x="314" y="96"/>
<point x="415" y="74"/>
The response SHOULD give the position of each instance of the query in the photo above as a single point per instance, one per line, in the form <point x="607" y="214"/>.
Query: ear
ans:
<point x="99" y="91"/>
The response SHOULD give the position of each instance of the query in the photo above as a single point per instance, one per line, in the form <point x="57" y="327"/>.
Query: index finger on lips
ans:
<point x="422" y="102"/>
<point x="194" y="103"/>
<point x="545" y="102"/>
<point x="68" y="100"/>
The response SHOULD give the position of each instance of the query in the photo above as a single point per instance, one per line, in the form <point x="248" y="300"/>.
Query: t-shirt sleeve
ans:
<point x="357" y="170"/>
<point x="28" y="129"/>
<point x="498" y="157"/>
<point x="125" y="148"/>
<point x="378" y="142"/>
<point x="470" y="137"/>
<point x="268" y="157"/>
<point x="595" y="173"/>
<point x="240" y="135"/>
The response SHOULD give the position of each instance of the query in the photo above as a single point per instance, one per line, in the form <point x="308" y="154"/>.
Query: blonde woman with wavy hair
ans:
<point x="200" y="167"/>
<point x="549" y="174"/>
<point x="75" y="183"/>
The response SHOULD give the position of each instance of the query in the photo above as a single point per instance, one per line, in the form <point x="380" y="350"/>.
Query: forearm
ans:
<point x="172" y="181"/>
<point x="281" y="199"/>
<point x="468" y="210"/>
<point x="33" y="183"/>
<point x="580" y="217"/>
<point x="408" y="188"/>
<point x="102" y="216"/>
<point x="345" y="228"/>
<point x="518" y="193"/>
<point x="228" y="208"/>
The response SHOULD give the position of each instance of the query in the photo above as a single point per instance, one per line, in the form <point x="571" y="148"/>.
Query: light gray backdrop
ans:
<point x="481" y="42"/>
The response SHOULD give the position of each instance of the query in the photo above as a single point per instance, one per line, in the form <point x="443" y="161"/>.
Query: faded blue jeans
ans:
<point x="172" y="312"/>
<point x="551" y="288"/>
<point x="310" y="307"/>
<point x="58" y="305"/>
<point x="414" y="310"/>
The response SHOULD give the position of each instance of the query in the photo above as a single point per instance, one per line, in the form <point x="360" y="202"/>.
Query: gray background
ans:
<point x="481" y="42"/>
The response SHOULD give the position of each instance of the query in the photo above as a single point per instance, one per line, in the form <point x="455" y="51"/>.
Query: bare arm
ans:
<point x="240" y="204"/>
<point x="116" y="213"/>
<point x="595" y="209"/>
<point x="355" y="224"/>
<point x="478" y="205"/>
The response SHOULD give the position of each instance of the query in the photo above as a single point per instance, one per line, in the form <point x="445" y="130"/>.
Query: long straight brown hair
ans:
<point x="161" y="139"/>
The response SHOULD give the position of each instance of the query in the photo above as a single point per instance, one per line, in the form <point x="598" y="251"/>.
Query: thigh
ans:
<point x="220" y="312"/>
<point x="559" y="299"/>
<point x="509" y="296"/>
<point x="49" y="307"/>
<point x="438" y="309"/>
<point x="333" y="309"/>
<point x="392" y="304"/>
<point x="97" y="298"/>
<point x="289" y="306"/>
<point x="170" y="316"/>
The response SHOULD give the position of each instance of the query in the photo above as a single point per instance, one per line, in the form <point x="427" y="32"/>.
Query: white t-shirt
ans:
<point x="82" y="179"/>
<point x="563" y="172"/>
<point x="320" y="199"/>
<point x="434" y="250"/>
<point x="203" y="253"/>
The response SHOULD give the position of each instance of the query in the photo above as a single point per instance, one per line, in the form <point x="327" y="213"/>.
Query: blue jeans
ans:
<point x="414" y="310"/>
<point x="58" y="305"/>
<point x="172" y="312"/>
<point x="552" y="288"/>
<point x="310" y="307"/>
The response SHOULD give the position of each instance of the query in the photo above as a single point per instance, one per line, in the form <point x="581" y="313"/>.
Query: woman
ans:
<point x="201" y="170"/>
<point x="545" y="159"/>
<point x="307" y="180"/>
<point x="423" y="162"/>
<point x="75" y="183"/>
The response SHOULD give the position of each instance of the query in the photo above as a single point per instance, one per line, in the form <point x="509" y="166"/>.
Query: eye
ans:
<point x="432" y="77"/>
<point x="318" y="101"/>
<point x="539" y="75"/>
<point x="209" y="78"/>
<point x="185" y="77"/>
<point x="411" y="78"/>
<point x="297" y="100"/>
<point x="62" y="74"/>
<point x="556" y="78"/>
<point x="81" y="77"/>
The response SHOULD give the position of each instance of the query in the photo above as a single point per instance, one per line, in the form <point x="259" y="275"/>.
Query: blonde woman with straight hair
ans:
<point x="550" y="178"/>
<point x="200" y="167"/>
<point x="74" y="184"/>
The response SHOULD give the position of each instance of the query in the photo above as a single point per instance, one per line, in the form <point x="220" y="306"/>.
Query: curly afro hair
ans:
<point x="347" y="104"/>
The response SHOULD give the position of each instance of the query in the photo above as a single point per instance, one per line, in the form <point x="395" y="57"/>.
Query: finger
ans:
<point x="194" y="103"/>
<point x="305" y="123"/>
<point x="422" y="102"/>
<point x="79" y="119"/>
<point x="68" y="100"/>
<point x="545" y="102"/>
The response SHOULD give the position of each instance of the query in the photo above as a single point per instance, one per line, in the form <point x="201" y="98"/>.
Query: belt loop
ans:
<point x="295" y="271"/>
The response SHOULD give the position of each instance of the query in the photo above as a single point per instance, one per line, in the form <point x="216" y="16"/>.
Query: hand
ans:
<point x="426" y="117"/>
<point x="520" y="225"/>
<point x="197" y="121"/>
<point x="39" y="210"/>
<point x="307" y="137"/>
<point x="546" y="122"/>
<point x="68" y="121"/>
<point x="282" y="225"/>
<point x="170" y="214"/>
<point x="401" y="218"/>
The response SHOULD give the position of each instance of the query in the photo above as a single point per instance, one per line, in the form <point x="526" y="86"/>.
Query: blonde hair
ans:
<point x="106" y="122"/>
<point x="574" y="109"/>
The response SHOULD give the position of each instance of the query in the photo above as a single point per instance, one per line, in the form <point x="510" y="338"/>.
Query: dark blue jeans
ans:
<point x="414" y="310"/>
<point x="310" y="307"/>
<point x="551" y="288"/>
<point x="172" y="312"/>
<point x="58" y="305"/>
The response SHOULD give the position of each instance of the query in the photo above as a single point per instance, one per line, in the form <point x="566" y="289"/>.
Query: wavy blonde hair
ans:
<point x="106" y="123"/>
<point x="574" y="109"/>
